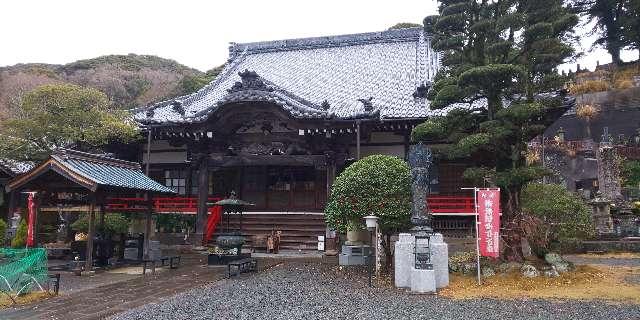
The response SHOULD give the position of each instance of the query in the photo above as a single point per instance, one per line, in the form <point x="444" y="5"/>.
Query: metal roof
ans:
<point x="92" y="171"/>
<point x="324" y="77"/>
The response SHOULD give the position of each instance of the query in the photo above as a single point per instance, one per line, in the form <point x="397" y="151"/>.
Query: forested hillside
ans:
<point x="128" y="80"/>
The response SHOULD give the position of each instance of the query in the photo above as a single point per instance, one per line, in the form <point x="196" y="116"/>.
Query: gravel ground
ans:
<point x="313" y="290"/>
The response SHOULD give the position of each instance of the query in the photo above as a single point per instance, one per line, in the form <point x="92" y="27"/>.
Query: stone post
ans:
<point x="608" y="172"/>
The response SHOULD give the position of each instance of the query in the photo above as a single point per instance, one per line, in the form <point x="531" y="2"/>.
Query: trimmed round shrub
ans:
<point x="377" y="185"/>
<point x="3" y="232"/>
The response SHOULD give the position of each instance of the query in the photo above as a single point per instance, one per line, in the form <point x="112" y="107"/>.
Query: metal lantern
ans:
<point x="230" y="240"/>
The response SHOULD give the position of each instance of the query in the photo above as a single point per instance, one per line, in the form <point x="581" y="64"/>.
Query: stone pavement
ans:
<point x="108" y="299"/>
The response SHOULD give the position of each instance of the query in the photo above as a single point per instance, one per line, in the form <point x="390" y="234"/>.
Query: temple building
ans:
<point x="285" y="117"/>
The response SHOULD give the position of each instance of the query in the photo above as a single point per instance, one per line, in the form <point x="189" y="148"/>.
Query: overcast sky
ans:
<point x="194" y="33"/>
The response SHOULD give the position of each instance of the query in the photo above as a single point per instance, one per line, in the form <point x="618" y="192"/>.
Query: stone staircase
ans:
<point x="299" y="231"/>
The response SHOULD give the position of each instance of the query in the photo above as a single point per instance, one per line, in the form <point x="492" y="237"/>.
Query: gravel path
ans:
<point x="313" y="290"/>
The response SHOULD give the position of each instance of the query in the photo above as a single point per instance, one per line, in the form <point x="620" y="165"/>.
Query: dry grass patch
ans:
<point x="611" y="255"/>
<point x="36" y="296"/>
<point x="587" y="282"/>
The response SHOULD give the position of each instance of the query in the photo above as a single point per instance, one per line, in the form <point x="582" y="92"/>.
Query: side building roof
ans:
<point x="91" y="171"/>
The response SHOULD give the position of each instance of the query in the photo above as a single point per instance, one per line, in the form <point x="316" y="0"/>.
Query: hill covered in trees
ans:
<point x="128" y="80"/>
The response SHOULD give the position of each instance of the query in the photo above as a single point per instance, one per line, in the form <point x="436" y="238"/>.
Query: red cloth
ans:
<point x="212" y="222"/>
<point x="31" y="206"/>
<point x="489" y="218"/>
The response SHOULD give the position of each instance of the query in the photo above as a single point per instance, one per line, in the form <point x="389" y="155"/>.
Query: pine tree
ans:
<point x="631" y="25"/>
<point x="500" y="58"/>
<point x="609" y="16"/>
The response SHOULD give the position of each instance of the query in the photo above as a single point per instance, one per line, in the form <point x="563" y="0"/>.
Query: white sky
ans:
<point x="194" y="33"/>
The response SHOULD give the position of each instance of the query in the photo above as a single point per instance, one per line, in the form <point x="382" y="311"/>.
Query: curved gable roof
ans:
<point x="319" y="77"/>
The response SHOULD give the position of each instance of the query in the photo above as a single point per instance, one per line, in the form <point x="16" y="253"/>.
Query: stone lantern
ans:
<point x="601" y="213"/>
<point x="560" y="134"/>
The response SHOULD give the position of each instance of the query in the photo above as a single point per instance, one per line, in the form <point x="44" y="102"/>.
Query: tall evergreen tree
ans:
<point x="609" y="16"/>
<point x="498" y="57"/>
<point x="631" y="25"/>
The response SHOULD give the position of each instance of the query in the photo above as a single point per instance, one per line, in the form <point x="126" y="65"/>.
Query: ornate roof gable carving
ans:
<point x="250" y="80"/>
<point x="368" y="106"/>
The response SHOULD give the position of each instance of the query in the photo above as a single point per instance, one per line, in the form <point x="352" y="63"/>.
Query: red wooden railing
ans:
<point x="183" y="205"/>
<point x="451" y="205"/>
<point x="443" y="205"/>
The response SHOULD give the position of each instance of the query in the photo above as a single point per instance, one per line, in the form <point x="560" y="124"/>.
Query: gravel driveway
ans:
<point x="313" y="290"/>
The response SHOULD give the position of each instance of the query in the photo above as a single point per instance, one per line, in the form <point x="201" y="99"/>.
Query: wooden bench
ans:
<point x="242" y="265"/>
<point x="174" y="262"/>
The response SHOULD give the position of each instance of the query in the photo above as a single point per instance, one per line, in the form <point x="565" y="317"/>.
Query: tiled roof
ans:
<point x="324" y="77"/>
<point x="14" y="168"/>
<point x="93" y="171"/>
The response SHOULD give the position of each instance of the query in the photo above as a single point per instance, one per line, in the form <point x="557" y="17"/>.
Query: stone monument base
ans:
<point x="423" y="281"/>
<point x="405" y="272"/>
<point x="354" y="255"/>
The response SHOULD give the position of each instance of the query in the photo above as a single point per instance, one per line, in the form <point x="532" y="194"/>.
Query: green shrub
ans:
<point x="114" y="223"/>
<point x="554" y="215"/>
<point x="20" y="239"/>
<point x="378" y="185"/>
<point x="3" y="232"/>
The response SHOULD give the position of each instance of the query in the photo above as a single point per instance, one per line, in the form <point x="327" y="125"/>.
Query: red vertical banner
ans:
<point x="489" y="221"/>
<point x="31" y="206"/>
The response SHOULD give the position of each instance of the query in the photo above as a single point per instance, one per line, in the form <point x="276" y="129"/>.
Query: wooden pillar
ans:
<point x="203" y="195"/>
<point x="13" y="203"/>
<point x="147" y="225"/>
<point x="331" y="172"/>
<point x="407" y="145"/>
<point x="101" y="210"/>
<point x="91" y="233"/>
<point x="357" y="139"/>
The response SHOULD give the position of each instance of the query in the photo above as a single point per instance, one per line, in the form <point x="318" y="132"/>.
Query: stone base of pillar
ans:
<point x="440" y="260"/>
<point x="404" y="263"/>
<point x="403" y="260"/>
<point x="423" y="281"/>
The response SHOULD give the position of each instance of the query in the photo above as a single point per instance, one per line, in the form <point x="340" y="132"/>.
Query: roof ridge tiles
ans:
<point x="69" y="154"/>
<point x="395" y="35"/>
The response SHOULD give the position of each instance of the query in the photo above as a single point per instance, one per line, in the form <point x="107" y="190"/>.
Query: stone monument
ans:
<point x="421" y="258"/>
